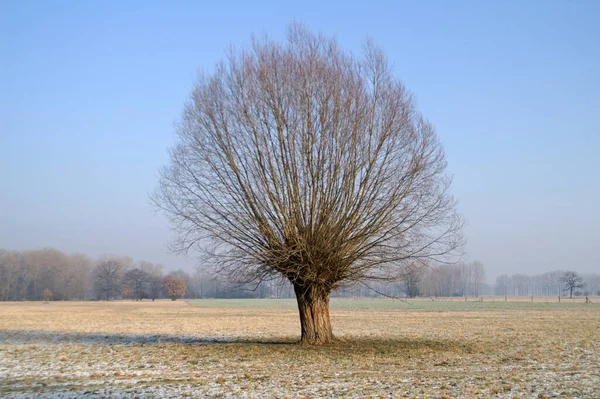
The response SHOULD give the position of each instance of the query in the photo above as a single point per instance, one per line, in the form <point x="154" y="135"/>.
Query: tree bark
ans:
<point x="313" y="306"/>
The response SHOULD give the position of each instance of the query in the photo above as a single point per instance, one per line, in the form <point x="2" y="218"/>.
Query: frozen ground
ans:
<point x="172" y="349"/>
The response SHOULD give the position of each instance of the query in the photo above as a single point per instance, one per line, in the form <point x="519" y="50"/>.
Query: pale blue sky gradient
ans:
<point x="90" y="90"/>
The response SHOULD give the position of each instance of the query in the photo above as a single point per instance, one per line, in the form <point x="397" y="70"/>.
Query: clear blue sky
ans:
<point x="89" y="92"/>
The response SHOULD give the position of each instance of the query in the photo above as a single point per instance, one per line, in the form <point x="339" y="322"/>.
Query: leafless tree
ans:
<point x="546" y="284"/>
<point x="155" y="277"/>
<point x="150" y="268"/>
<point x="502" y="285"/>
<point x="137" y="281"/>
<point x="412" y="276"/>
<point x="571" y="281"/>
<point x="48" y="268"/>
<point x="10" y="272"/>
<point x="461" y="279"/>
<point x="80" y="282"/>
<point x="302" y="161"/>
<point x="592" y="283"/>
<point x="107" y="278"/>
<point x="155" y="286"/>
<point x="478" y="275"/>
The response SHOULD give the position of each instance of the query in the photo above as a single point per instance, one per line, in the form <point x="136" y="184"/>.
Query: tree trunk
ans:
<point x="313" y="306"/>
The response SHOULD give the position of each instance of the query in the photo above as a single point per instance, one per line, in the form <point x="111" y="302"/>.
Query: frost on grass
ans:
<point x="170" y="349"/>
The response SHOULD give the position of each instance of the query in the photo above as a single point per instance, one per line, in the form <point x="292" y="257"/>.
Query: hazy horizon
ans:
<point x="91" y="91"/>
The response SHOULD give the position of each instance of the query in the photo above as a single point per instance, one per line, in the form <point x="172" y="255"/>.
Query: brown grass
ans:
<point x="167" y="348"/>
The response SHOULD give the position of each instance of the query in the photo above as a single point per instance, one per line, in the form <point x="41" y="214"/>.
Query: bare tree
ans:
<point x="151" y="268"/>
<point x="520" y="284"/>
<point x="137" y="280"/>
<point x="80" y="282"/>
<point x="300" y="160"/>
<point x="155" y="286"/>
<point x="592" y="283"/>
<point x="478" y="274"/>
<point x="155" y="277"/>
<point x="9" y="274"/>
<point x="47" y="268"/>
<point x="412" y="276"/>
<point x="107" y="278"/>
<point x="571" y="281"/>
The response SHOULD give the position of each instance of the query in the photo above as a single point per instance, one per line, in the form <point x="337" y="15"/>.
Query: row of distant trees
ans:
<point x="51" y="274"/>
<point x="553" y="283"/>
<point x="25" y="275"/>
<point x="112" y="279"/>
<point x="463" y="279"/>
<point x="460" y="279"/>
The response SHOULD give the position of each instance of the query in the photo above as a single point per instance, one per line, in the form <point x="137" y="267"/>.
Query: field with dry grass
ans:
<point x="228" y="348"/>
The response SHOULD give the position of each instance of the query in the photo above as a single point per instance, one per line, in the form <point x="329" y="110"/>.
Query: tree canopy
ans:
<point x="300" y="161"/>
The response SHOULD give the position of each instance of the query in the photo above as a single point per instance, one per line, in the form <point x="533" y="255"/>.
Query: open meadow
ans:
<point x="247" y="348"/>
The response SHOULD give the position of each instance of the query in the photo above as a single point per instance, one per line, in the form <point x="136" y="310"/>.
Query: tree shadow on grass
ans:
<point x="54" y="337"/>
<point x="349" y="345"/>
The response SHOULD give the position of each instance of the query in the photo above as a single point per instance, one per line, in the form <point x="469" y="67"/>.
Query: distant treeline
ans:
<point x="51" y="274"/>
<point x="34" y="274"/>
<point x="546" y="284"/>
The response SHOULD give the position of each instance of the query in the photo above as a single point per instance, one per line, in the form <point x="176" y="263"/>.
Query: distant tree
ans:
<point x="572" y="280"/>
<point x="107" y="278"/>
<point x="155" y="286"/>
<point x="46" y="295"/>
<point x="190" y="288"/>
<point x="592" y="283"/>
<point x="24" y="275"/>
<point x="478" y="275"/>
<point x="520" y="284"/>
<point x="304" y="162"/>
<point x="137" y="281"/>
<point x="174" y="287"/>
<point x="153" y="269"/>
<point x="411" y="278"/>
<point x="80" y="283"/>
<point x="126" y="292"/>
<point x="48" y="268"/>
<point x="11" y="273"/>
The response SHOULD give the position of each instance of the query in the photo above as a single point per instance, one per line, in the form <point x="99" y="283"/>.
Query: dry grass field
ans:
<point x="220" y="348"/>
